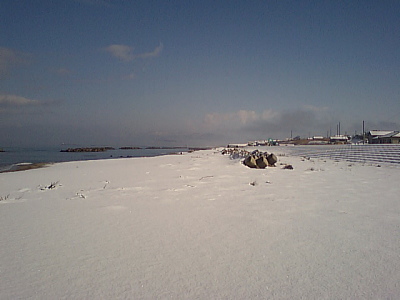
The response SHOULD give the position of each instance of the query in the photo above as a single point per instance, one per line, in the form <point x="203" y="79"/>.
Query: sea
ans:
<point x="12" y="157"/>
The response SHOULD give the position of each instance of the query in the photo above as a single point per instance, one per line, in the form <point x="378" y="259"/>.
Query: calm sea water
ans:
<point x="14" y="156"/>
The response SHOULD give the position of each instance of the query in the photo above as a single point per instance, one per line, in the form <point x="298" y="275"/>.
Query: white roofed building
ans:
<point x="339" y="139"/>
<point x="383" y="137"/>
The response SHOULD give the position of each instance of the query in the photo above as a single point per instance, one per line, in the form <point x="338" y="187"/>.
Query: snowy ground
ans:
<point x="200" y="226"/>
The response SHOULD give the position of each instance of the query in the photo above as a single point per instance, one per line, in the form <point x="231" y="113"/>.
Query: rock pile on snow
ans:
<point x="255" y="159"/>
<point x="260" y="160"/>
<point x="235" y="153"/>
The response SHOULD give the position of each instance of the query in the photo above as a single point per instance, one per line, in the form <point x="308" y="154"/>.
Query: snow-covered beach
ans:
<point x="200" y="226"/>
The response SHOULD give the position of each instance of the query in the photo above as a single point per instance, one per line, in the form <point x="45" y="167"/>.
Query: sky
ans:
<point x="195" y="73"/>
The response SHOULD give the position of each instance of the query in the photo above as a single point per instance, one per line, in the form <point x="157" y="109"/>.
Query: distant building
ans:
<point x="317" y="140"/>
<point x="383" y="137"/>
<point x="237" y="145"/>
<point x="339" y="139"/>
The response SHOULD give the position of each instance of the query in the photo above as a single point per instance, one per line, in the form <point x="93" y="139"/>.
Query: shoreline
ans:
<point x="389" y="155"/>
<point x="12" y="159"/>
<point x="25" y="167"/>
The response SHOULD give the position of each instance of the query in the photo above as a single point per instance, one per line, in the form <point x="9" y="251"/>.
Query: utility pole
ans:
<point x="363" y="133"/>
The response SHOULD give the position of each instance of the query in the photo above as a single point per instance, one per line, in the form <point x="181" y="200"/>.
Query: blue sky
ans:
<point x="197" y="73"/>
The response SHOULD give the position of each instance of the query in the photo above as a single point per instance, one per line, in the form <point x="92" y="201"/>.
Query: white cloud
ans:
<point x="252" y="124"/>
<point x="9" y="58"/>
<point x="269" y="115"/>
<point x="121" y="52"/>
<point x="156" y="52"/>
<point x="13" y="100"/>
<point x="125" y="53"/>
<point x="239" y="118"/>
<point x="315" y="108"/>
<point x="246" y="116"/>
<point x="217" y="119"/>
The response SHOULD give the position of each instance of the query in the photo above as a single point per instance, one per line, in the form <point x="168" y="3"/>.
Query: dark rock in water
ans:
<point x="89" y="149"/>
<point x="173" y="147"/>
<point x="129" y="148"/>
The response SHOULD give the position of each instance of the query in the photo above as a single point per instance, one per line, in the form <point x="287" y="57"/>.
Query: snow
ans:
<point x="200" y="226"/>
